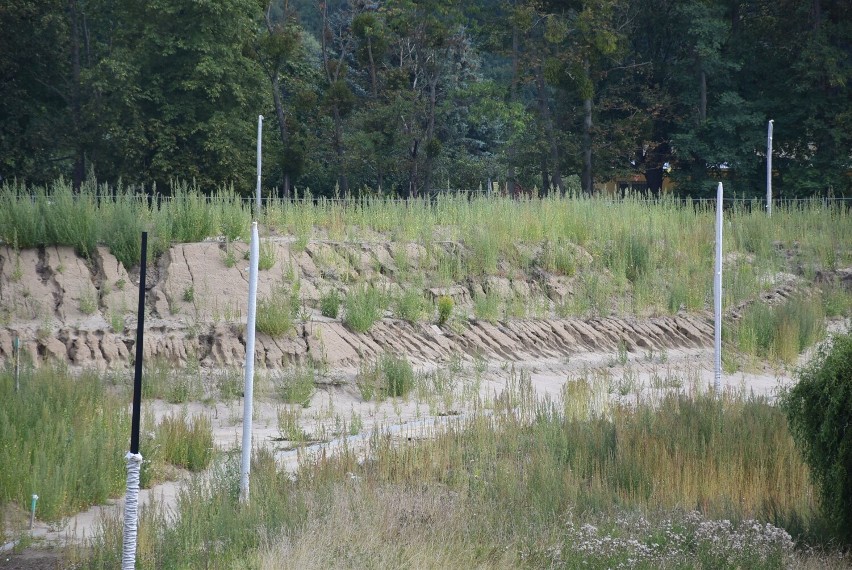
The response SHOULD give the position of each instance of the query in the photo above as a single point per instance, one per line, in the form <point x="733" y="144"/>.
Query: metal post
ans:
<point x="769" y="169"/>
<point x="133" y="459"/>
<point x="248" y="392"/>
<point x="259" y="141"/>
<point x="717" y="297"/>
<point x="32" y="510"/>
<point x="16" y="349"/>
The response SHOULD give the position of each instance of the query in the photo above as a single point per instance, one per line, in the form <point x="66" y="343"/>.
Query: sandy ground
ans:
<point x="336" y="406"/>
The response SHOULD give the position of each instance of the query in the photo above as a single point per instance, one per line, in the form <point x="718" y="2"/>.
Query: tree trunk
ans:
<point x="702" y="106"/>
<point x="587" y="179"/>
<point x="511" y="152"/>
<point x="342" y="180"/>
<point x="282" y="128"/>
<point x="79" y="170"/>
<point x="544" y="109"/>
<point x="430" y="133"/>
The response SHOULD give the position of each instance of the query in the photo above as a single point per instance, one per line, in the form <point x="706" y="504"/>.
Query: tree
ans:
<point x="180" y="90"/>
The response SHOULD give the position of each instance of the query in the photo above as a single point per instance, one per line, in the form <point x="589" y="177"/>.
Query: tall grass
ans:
<point x="62" y="438"/>
<point x="782" y="331"/>
<point x="685" y="482"/>
<point x="661" y="251"/>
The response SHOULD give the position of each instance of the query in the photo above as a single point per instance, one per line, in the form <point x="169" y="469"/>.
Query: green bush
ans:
<point x="297" y="385"/>
<point x="186" y="442"/>
<point x="445" y="309"/>
<point x="411" y="306"/>
<point x="390" y="377"/>
<point x="364" y="306"/>
<point x="330" y="304"/>
<point x="276" y="313"/>
<point x="819" y="412"/>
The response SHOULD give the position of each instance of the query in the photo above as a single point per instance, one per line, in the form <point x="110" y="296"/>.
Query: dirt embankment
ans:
<point x="83" y="312"/>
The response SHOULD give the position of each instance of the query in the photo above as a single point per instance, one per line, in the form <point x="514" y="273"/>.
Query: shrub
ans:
<point x="275" y="313"/>
<point x="364" y="306"/>
<point x="445" y="309"/>
<point x="390" y="377"/>
<point x="330" y="304"/>
<point x="411" y="306"/>
<point x="819" y="409"/>
<point x="487" y="307"/>
<point x="297" y="385"/>
<point x="186" y="442"/>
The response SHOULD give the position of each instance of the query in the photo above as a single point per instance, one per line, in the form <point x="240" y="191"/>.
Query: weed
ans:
<point x="267" y="255"/>
<point x="364" y="305"/>
<point x="189" y="294"/>
<point x="275" y="313"/>
<point x="487" y="307"/>
<point x="390" y="377"/>
<point x="186" y="442"/>
<point x="411" y="306"/>
<point x="297" y="385"/>
<point x="288" y="424"/>
<point x="330" y="304"/>
<point x="88" y="302"/>
<point x="445" y="309"/>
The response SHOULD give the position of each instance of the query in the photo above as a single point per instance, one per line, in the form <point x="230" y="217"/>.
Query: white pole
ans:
<point x="259" y="140"/>
<point x="249" y="380"/>
<point x="769" y="169"/>
<point x="717" y="296"/>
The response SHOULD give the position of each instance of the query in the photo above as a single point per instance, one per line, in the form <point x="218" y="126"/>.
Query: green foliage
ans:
<point x="185" y="442"/>
<point x="56" y="432"/>
<point x="781" y="331"/>
<point x="819" y="408"/>
<point x="411" y="306"/>
<point x="276" y="313"/>
<point x="487" y="306"/>
<point x="297" y="385"/>
<point x="445" y="309"/>
<point x="364" y="305"/>
<point x="330" y="304"/>
<point x="390" y="377"/>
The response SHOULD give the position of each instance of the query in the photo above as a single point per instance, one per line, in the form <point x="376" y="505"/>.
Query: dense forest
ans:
<point x="412" y="97"/>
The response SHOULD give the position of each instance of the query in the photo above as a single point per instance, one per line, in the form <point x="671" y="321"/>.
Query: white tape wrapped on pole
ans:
<point x="131" y="510"/>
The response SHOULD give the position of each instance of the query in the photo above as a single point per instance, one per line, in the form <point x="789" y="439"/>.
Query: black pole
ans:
<point x="140" y="329"/>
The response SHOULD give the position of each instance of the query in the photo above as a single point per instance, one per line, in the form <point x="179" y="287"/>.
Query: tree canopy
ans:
<point x="411" y="97"/>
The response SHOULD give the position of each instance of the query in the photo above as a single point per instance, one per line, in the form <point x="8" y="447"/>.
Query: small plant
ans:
<point x="267" y="255"/>
<point x="116" y="321"/>
<point x="390" y="377"/>
<point x="229" y="383"/>
<point x="189" y="294"/>
<point x="120" y="284"/>
<point x="364" y="306"/>
<point x="330" y="304"/>
<point x="487" y="307"/>
<point x="445" y="309"/>
<point x="411" y="306"/>
<point x="298" y="385"/>
<point x="229" y="256"/>
<point x="275" y="314"/>
<point x="288" y="425"/>
<point x="88" y="302"/>
<point x="186" y="442"/>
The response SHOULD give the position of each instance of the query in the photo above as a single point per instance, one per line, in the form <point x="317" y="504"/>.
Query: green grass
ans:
<point x="780" y="332"/>
<point x="658" y="254"/>
<point x="363" y="306"/>
<point x="297" y="385"/>
<point x="62" y="438"/>
<point x="389" y="377"/>
<point x="276" y="312"/>
<point x="679" y="483"/>
<point x="411" y="306"/>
